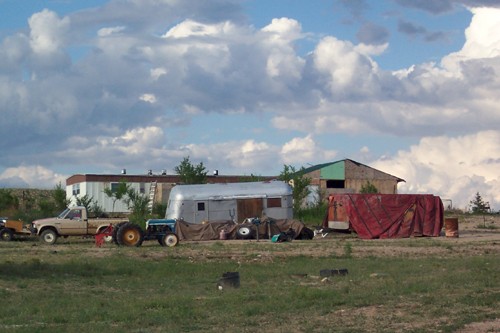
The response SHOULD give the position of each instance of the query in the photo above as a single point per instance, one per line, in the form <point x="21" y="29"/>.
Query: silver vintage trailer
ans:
<point x="230" y="201"/>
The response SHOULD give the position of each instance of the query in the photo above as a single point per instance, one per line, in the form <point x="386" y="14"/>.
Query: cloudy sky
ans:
<point x="245" y="86"/>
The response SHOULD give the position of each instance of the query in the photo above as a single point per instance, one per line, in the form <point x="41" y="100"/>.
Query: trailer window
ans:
<point x="273" y="202"/>
<point x="201" y="206"/>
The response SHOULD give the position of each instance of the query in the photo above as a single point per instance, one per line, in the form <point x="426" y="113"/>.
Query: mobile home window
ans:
<point x="114" y="187"/>
<point x="334" y="183"/>
<point x="201" y="206"/>
<point x="76" y="189"/>
<point x="142" y="188"/>
<point x="273" y="202"/>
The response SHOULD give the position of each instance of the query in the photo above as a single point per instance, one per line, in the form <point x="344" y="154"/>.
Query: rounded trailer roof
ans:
<point x="230" y="191"/>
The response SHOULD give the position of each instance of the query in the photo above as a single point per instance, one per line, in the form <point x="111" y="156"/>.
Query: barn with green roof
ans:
<point x="348" y="176"/>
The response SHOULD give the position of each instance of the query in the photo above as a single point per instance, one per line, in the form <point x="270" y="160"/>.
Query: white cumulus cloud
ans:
<point x="452" y="167"/>
<point x="302" y="151"/>
<point x="190" y="28"/>
<point x="482" y="40"/>
<point x="47" y="31"/>
<point x="104" y="32"/>
<point x="30" y="176"/>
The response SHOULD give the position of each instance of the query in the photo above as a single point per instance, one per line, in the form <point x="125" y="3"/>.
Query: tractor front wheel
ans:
<point x="169" y="239"/>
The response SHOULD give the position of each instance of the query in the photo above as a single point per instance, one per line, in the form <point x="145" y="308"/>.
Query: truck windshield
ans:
<point x="63" y="213"/>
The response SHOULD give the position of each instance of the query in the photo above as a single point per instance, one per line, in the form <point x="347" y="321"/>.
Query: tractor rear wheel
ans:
<point x="130" y="234"/>
<point x="169" y="239"/>
<point x="117" y="227"/>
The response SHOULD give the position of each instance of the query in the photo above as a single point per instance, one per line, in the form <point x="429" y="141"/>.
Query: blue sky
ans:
<point x="345" y="21"/>
<point x="246" y="86"/>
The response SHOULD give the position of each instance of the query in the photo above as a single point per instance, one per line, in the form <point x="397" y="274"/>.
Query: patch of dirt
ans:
<point x="492" y="326"/>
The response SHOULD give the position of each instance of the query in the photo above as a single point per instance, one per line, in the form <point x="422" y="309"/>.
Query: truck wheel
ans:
<point x="117" y="227"/>
<point x="169" y="239"/>
<point x="6" y="235"/>
<point x="130" y="235"/>
<point x="49" y="236"/>
<point x="245" y="232"/>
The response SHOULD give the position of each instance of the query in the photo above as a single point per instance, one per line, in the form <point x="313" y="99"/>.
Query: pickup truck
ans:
<point x="72" y="221"/>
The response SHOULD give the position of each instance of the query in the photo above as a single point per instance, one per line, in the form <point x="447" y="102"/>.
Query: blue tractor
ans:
<point x="131" y="234"/>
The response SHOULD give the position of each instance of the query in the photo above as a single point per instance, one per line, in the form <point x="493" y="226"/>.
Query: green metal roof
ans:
<point x="321" y="166"/>
<point x="331" y="170"/>
<point x="336" y="170"/>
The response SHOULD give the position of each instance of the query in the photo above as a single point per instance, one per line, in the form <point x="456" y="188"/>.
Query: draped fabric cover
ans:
<point x="388" y="215"/>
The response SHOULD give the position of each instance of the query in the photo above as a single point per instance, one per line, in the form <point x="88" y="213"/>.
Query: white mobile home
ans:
<point x="157" y="186"/>
<point x="94" y="185"/>
<point x="230" y="201"/>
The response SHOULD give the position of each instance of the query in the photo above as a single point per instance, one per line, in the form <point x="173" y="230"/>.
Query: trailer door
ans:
<point x="200" y="211"/>
<point x="248" y="208"/>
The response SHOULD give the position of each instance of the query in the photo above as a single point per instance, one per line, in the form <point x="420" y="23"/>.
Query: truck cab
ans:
<point x="75" y="221"/>
<point x="71" y="221"/>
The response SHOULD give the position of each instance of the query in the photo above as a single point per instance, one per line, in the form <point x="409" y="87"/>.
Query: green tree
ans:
<point x="85" y="201"/>
<point x="47" y="208"/>
<point x="478" y="205"/>
<point x="299" y="182"/>
<point x="95" y="210"/>
<point x="368" y="188"/>
<point x="117" y="193"/>
<point x="138" y="205"/>
<point x="55" y="203"/>
<point x="59" y="197"/>
<point x="321" y="197"/>
<point x="91" y="205"/>
<point x="191" y="174"/>
<point x="159" y="209"/>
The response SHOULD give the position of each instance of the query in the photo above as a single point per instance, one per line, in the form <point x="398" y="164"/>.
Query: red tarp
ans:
<point x="388" y="215"/>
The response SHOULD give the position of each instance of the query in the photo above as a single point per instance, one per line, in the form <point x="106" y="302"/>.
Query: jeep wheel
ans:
<point x="48" y="236"/>
<point x="6" y="235"/>
<point x="130" y="235"/>
<point x="169" y="239"/>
